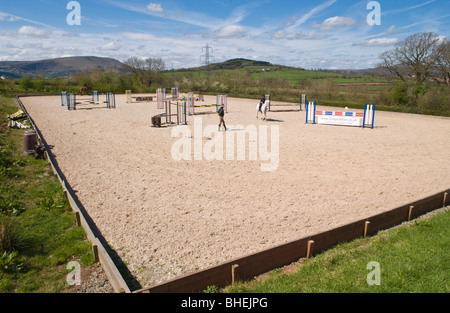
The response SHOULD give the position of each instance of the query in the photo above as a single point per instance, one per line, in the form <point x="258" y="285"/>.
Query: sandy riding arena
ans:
<point x="168" y="217"/>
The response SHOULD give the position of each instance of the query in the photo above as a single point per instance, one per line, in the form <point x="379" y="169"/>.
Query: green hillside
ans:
<point x="265" y="70"/>
<point x="61" y="67"/>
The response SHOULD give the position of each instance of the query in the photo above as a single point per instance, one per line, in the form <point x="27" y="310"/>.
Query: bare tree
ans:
<point x="146" y="70"/>
<point x="441" y="58"/>
<point x="412" y="57"/>
<point x="389" y="61"/>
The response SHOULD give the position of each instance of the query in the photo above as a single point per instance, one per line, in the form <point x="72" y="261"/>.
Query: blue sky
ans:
<point x="315" y="34"/>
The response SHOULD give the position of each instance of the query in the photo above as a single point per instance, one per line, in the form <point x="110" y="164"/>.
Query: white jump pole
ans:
<point x="161" y="96"/>
<point x="129" y="96"/>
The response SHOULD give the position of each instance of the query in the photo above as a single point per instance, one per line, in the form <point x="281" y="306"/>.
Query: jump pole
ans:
<point x="72" y="102"/>
<point x="168" y="112"/>
<point x="368" y="116"/>
<point x="311" y="112"/>
<point x="110" y="100"/>
<point x="95" y="95"/>
<point x="191" y="104"/>
<point x="64" y="98"/>
<point x="303" y="101"/>
<point x="222" y="99"/>
<point x="129" y="96"/>
<point x="175" y="93"/>
<point x="181" y="112"/>
<point x="160" y="97"/>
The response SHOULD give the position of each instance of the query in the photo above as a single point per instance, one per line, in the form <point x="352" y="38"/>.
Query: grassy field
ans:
<point x="296" y="76"/>
<point x="412" y="258"/>
<point x="293" y="76"/>
<point x="39" y="235"/>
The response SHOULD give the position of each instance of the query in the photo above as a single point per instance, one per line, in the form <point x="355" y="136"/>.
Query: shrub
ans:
<point x="10" y="235"/>
<point x="10" y="262"/>
<point x="400" y="94"/>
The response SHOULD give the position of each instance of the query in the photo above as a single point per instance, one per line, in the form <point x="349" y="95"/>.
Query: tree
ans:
<point x="441" y="58"/>
<point x="413" y="57"/>
<point x="26" y="82"/>
<point x="146" y="70"/>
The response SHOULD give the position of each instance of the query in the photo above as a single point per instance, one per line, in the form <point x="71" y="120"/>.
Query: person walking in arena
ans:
<point x="221" y="113"/>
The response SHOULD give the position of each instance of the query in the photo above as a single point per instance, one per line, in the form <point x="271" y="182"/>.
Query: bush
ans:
<point x="426" y="98"/>
<point x="10" y="235"/>
<point x="10" y="262"/>
<point x="400" y="94"/>
<point x="437" y="98"/>
<point x="26" y="82"/>
<point x="9" y="206"/>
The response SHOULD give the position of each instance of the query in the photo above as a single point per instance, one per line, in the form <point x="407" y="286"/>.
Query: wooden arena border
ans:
<point x="98" y="243"/>
<point x="251" y="265"/>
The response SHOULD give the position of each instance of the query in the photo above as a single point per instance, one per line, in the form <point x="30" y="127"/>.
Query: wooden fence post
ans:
<point x="366" y="228"/>
<point x="234" y="273"/>
<point x="309" y="251"/>
<point x="411" y="207"/>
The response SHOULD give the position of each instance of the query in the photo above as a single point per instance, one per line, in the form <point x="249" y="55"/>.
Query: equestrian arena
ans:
<point x="167" y="217"/>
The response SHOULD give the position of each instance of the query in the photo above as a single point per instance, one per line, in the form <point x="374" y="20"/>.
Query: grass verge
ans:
<point x="411" y="258"/>
<point x="38" y="231"/>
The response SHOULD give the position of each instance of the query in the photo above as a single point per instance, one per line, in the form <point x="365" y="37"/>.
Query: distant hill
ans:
<point x="60" y="67"/>
<point x="233" y="64"/>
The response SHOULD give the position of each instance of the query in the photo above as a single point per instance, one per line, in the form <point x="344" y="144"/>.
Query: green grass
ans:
<point x="292" y="75"/>
<point x="413" y="259"/>
<point x="48" y="237"/>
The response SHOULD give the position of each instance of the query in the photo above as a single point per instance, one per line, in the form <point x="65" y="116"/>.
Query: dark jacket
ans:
<point x="221" y="112"/>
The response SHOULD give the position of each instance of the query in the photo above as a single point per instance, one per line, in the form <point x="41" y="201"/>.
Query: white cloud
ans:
<point x="441" y="39"/>
<point x="111" y="46"/>
<point x="335" y="22"/>
<point x="390" y="30"/>
<point x="308" y="15"/>
<point x="379" y="42"/>
<point x="33" y="31"/>
<point x="8" y="17"/>
<point x="408" y="8"/>
<point x="281" y="34"/>
<point x="155" y="7"/>
<point x="231" y="31"/>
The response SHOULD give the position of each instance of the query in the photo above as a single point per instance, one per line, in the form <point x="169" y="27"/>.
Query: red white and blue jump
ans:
<point x="360" y="119"/>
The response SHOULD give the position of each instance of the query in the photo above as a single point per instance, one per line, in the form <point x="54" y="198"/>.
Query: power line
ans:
<point x="207" y="56"/>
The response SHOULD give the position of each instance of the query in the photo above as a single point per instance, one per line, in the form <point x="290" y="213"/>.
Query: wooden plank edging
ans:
<point x="264" y="261"/>
<point x="115" y="278"/>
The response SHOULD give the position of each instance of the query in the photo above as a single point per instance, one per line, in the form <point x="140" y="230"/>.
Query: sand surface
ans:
<point x="166" y="217"/>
